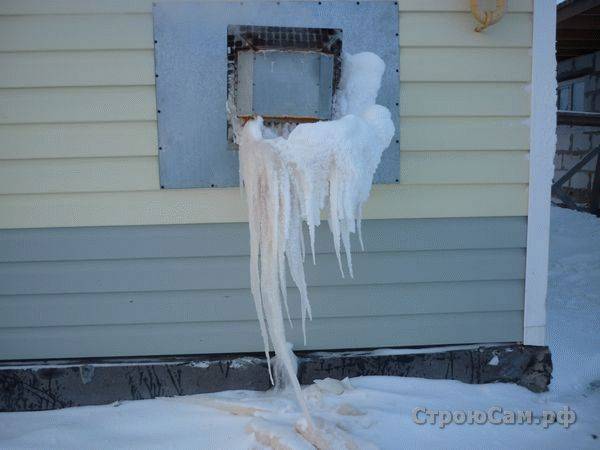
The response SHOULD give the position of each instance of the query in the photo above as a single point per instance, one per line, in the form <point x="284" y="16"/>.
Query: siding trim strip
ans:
<point x="541" y="170"/>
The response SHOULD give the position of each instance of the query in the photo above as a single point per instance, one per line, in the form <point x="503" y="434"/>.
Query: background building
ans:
<point x="578" y="75"/>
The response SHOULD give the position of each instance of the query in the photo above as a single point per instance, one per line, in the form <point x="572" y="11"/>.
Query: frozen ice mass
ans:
<point x="295" y="176"/>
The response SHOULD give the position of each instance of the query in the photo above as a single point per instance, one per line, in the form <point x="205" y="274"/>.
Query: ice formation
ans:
<point x="293" y="177"/>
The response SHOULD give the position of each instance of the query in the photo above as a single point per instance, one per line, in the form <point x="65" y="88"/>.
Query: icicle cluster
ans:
<point x="290" y="180"/>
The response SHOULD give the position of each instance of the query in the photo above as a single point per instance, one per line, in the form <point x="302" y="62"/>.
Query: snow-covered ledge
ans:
<point x="541" y="169"/>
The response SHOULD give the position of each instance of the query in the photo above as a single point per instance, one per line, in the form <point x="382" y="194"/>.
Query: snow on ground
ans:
<point x="371" y="411"/>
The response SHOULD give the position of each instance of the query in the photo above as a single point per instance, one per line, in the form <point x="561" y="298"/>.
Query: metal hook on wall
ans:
<point x="487" y="18"/>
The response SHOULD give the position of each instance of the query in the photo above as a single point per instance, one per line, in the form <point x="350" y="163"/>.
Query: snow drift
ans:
<point x="291" y="177"/>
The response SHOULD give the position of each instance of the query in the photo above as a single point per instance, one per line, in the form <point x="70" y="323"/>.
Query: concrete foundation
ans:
<point x="45" y="385"/>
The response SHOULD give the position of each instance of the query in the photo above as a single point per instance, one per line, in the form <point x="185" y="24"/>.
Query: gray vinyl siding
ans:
<point x="184" y="289"/>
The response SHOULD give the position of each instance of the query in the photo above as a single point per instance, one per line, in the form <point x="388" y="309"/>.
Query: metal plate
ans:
<point x="285" y="84"/>
<point x="191" y="87"/>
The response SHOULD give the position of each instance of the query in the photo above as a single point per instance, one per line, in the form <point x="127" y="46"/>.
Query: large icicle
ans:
<point x="290" y="180"/>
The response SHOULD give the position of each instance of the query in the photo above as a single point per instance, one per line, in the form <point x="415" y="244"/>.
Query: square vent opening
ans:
<point x="286" y="75"/>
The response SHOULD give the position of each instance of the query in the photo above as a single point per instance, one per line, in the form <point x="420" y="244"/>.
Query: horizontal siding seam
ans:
<point x="176" y="291"/>
<point x="149" y="13"/>
<point x="158" y="189"/>
<point x="151" y="83"/>
<point x="449" y="47"/>
<point x="86" y="158"/>
<point x="133" y="86"/>
<point x="110" y="14"/>
<point x="474" y="116"/>
<point x="107" y="121"/>
<point x="100" y="122"/>
<point x="125" y="157"/>
<point x="22" y="8"/>
<point x="114" y="158"/>
<point x="326" y="318"/>
<point x="242" y="255"/>
<point x="453" y="11"/>
<point x="460" y="184"/>
<point x="440" y="151"/>
<point x="246" y="255"/>
<point x="153" y="121"/>
<point x="524" y="83"/>
<point x="173" y="191"/>
<point x="89" y="86"/>
<point x="151" y="49"/>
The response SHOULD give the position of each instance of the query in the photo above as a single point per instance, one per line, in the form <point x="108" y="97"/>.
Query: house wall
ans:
<point x="155" y="290"/>
<point x="78" y="119"/>
<point x="78" y="148"/>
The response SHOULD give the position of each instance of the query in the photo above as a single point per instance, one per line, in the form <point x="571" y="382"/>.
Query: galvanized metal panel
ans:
<point x="285" y="84"/>
<point x="326" y="83"/>
<point x="245" y="75"/>
<point x="191" y="64"/>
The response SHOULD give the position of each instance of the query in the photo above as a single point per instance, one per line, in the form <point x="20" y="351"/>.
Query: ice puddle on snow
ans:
<point x="324" y="166"/>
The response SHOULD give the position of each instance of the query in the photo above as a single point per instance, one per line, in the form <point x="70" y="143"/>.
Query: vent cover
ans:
<point x="284" y="74"/>
<point x="192" y="62"/>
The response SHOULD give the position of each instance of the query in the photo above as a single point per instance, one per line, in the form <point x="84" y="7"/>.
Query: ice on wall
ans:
<point x="291" y="178"/>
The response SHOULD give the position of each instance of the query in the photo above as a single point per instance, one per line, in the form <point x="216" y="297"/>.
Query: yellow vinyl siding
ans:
<point x="77" y="104"/>
<point x="81" y="140"/>
<point x="68" y="68"/>
<point x="76" y="68"/>
<point x="39" y="176"/>
<point x="76" y="32"/>
<point x="463" y="133"/>
<point x="454" y="167"/>
<point x="137" y="103"/>
<point x="434" y="29"/>
<point x="226" y="205"/>
<point x="78" y="142"/>
<point x="464" y="99"/>
<point x="483" y="64"/>
<point x="21" y="7"/>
